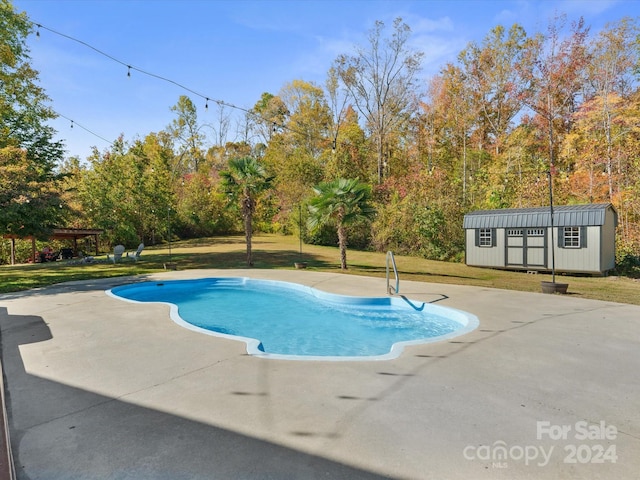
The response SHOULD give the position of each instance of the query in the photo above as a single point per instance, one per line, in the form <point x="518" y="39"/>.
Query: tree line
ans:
<point x="484" y="133"/>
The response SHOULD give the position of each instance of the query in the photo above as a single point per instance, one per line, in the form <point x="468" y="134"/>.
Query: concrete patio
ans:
<point x="100" y="388"/>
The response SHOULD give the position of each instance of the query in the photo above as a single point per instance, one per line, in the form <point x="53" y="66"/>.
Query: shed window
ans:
<point x="572" y="237"/>
<point x="485" y="238"/>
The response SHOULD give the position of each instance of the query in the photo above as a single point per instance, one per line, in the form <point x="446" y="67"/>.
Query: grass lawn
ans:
<point x="280" y="252"/>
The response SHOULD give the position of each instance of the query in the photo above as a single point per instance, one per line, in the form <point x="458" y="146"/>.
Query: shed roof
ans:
<point x="563" y="216"/>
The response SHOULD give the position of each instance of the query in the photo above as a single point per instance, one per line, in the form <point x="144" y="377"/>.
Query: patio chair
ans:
<point x="117" y="253"/>
<point x="136" y="256"/>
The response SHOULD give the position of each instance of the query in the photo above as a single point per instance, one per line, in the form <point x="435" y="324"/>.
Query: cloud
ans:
<point x="438" y="50"/>
<point x="427" y="25"/>
<point x="582" y="7"/>
<point x="516" y="12"/>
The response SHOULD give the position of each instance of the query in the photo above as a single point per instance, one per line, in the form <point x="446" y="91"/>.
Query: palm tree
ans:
<point x="342" y="202"/>
<point x="244" y="180"/>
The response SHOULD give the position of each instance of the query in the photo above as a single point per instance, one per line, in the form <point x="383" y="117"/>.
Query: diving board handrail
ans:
<point x="390" y="289"/>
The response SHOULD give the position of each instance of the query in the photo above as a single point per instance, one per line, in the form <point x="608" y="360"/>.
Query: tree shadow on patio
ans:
<point x="59" y="431"/>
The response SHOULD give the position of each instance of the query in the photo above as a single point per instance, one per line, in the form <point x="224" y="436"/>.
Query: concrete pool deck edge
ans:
<point x="534" y="358"/>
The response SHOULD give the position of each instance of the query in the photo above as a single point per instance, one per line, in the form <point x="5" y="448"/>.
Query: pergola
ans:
<point x="57" y="234"/>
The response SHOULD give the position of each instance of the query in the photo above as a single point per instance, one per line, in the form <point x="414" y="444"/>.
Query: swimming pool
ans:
<point x="290" y="321"/>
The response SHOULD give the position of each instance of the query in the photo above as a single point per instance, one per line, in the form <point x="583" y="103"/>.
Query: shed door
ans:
<point x="515" y="247"/>
<point x="526" y="247"/>
<point x="536" y="243"/>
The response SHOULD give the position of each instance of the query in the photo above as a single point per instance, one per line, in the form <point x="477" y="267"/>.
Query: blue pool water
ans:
<point x="280" y="319"/>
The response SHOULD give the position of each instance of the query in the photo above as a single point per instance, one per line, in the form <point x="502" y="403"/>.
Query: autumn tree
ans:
<point x="201" y="208"/>
<point x="420" y="216"/>
<point x="104" y="193"/>
<point x="459" y="116"/>
<point x="588" y="147"/>
<point x="30" y="200"/>
<point x="380" y="79"/>
<point x="127" y="190"/>
<point x="430" y="123"/>
<point x="613" y="55"/>
<point x="268" y="116"/>
<point x="309" y="116"/>
<point x="72" y="170"/>
<point x="553" y="69"/>
<point x="151" y="190"/>
<point x="188" y="136"/>
<point x="605" y="159"/>
<point x="519" y="179"/>
<point x="296" y="154"/>
<point x="627" y="197"/>
<point x="218" y="156"/>
<point x="494" y="81"/>
<point x="350" y="157"/>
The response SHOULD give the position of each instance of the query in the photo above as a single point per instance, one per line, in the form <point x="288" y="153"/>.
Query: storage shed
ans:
<point x="520" y="238"/>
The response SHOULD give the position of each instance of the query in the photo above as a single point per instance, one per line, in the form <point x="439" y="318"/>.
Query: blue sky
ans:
<point x="235" y="50"/>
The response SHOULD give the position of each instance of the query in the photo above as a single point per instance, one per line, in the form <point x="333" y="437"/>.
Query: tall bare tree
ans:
<point x="460" y="115"/>
<point x="221" y="127"/>
<point x="187" y="132"/>
<point x="496" y="84"/>
<point x="337" y="105"/>
<point x="553" y="68"/>
<point x="613" y="58"/>
<point x="380" y="79"/>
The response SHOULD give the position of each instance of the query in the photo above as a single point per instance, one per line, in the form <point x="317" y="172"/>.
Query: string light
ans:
<point x="144" y="72"/>
<point x="73" y="123"/>
<point x="206" y="104"/>
<point x="165" y="79"/>
<point x="38" y="31"/>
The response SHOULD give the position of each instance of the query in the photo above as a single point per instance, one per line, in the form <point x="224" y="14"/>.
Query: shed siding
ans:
<point x="578" y="259"/>
<point x="485" y="256"/>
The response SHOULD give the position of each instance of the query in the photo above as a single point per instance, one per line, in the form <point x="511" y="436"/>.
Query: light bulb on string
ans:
<point x="206" y="104"/>
<point x="276" y="127"/>
<point x="71" y="123"/>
